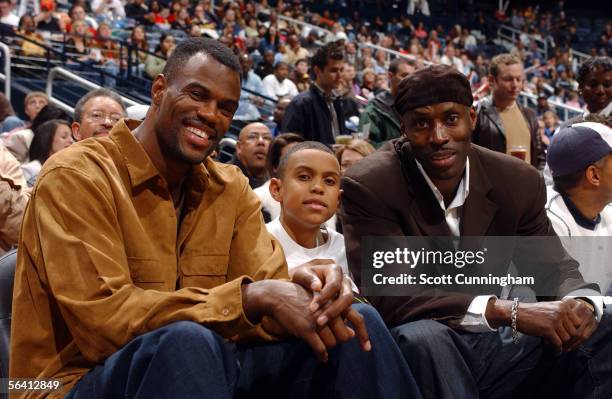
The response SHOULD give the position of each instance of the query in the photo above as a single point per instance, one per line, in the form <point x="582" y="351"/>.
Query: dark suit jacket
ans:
<point x="489" y="131"/>
<point x="386" y="195"/>
<point x="308" y="115"/>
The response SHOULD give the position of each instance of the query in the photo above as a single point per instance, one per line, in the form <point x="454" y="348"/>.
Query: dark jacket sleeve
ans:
<point x="363" y="216"/>
<point x="293" y="120"/>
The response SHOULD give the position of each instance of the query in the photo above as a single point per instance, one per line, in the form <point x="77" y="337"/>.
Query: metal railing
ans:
<point x="508" y="33"/>
<point x="392" y="53"/>
<point x="578" y="58"/>
<point x="306" y="25"/>
<point x="74" y="78"/>
<point x="6" y="76"/>
<point x="564" y="111"/>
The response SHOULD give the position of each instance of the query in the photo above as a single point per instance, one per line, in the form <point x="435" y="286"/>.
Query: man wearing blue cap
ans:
<point x="580" y="158"/>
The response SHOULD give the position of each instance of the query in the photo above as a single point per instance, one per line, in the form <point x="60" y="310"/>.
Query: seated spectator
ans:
<point x="353" y="152"/>
<point x="349" y="85"/>
<point x="307" y="187"/>
<point x="154" y="64"/>
<point x="294" y="51"/>
<point x="251" y="152"/>
<point x="80" y="45"/>
<point x="6" y="14"/>
<point x="266" y="66"/>
<point x="110" y="57"/>
<point x="46" y="21"/>
<point x="277" y="84"/>
<point x="8" y="119"/>
<point x="182" y="20"/>
<point x="251" y="28"/>
<point x="32" y="104"/>
<point x="27" y="29"/>
<point x="279" y="114"/>
<point x="18" y="141"/>
<point x="551" y="123"/>
<point x="368" y="84"/>
<point x="77" y="13"/>
<point x="579" y="204"/>
<point x="252" y="87"/>
<point x="108" y="10"/>
<point x="14" y="197"/>
<point x="96" y="113"/>
<point x="49" y="138"/>
<point x="204" y="18"/>
<point x="300" y="75"/>
<point x="95" y="254"/>
<point x="594" y="78"/>
<point x="271" y="41"/>
<point x="140" y="47"/>
<point x="278" y="148"/>
<point x="137" y="10"/>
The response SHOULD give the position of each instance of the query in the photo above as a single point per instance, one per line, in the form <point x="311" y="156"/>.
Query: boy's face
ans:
<point x="309" y="190"/>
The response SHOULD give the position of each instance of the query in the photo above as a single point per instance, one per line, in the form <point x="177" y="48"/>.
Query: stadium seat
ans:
<point x="7" y="275"/>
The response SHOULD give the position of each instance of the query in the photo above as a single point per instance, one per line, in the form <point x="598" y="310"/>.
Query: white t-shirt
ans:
<point x="10" y="19"/>
<point x="297" y="255"/>
<point x="276" y="89"/>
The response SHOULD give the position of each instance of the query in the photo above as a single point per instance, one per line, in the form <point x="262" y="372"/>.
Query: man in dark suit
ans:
<point x="434" y="182"/>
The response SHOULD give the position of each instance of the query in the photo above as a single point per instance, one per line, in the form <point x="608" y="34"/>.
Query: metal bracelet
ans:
<point x="514" y="319"/>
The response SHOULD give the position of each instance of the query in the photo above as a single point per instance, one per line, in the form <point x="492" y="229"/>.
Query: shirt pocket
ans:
<point x="146" y="273"/>
<point x="204" y="271"/>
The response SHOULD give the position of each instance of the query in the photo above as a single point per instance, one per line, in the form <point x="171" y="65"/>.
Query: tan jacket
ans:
<point x="102" y="258"/>
<point x="14" y="196"/>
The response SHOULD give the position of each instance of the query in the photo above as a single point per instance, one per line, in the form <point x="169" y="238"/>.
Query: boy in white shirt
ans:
<point x="308" y="189"/>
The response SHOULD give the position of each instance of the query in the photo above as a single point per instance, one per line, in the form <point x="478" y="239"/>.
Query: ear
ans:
<point x="473" y="117"/>
<point x="340" y="196"/>
<point x="592" y="176"/>
<point x="275" y="189"/>
<point x="160" y="84"/>
<point x="76" y="134"/>
<point x="316" y="70"/>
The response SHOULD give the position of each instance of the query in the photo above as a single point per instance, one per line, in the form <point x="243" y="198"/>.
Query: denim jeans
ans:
<point x="187" y="360"/>
<point x="453" y="364"/>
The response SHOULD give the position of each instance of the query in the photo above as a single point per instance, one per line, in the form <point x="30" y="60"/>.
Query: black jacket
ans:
<point x="490" y="134"/>
<point x="308" y="115"/>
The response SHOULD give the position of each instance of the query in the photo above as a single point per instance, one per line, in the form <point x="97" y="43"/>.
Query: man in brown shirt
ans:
<point x="140" y="258"/>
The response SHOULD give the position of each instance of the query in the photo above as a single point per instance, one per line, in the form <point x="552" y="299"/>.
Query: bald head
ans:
<point x="252" y="148"/>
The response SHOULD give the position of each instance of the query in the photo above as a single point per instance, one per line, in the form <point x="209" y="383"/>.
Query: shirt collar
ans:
<point x="140" y="167"/>
<point x="581" y="220"/>
<point x="462" y="191"/>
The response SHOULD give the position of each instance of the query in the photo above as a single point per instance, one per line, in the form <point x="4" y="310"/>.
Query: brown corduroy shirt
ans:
<point x="103" y="259"/>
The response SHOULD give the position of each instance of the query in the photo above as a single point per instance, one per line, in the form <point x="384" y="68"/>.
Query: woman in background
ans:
<point x="49" y="138"/>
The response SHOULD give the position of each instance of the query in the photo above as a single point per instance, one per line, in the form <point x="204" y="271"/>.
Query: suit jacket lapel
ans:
<point x="478" y="210"/>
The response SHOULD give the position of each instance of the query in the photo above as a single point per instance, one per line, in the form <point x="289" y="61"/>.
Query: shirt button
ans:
<point x="225" y="311"/>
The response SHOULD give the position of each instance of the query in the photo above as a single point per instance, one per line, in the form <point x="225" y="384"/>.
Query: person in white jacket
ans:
<point x="579" y="204"/>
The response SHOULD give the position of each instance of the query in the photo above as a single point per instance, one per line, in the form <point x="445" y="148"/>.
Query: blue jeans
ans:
<point x="10" y="122"/>
<point x="452" y="364"/>
<point x="187" y="360"/>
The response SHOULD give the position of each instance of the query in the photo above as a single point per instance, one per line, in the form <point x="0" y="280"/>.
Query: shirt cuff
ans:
<point x="595" y="299"/>
<point x="474" y="319"/>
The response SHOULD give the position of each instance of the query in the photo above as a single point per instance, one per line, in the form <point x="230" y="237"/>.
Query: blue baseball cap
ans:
<point x="574" y="148"/>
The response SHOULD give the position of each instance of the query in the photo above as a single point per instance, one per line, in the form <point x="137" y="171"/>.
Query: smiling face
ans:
<point x="439" y="135"/>
<point x="309" y="189"/>
<point x="194" y="109"/>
